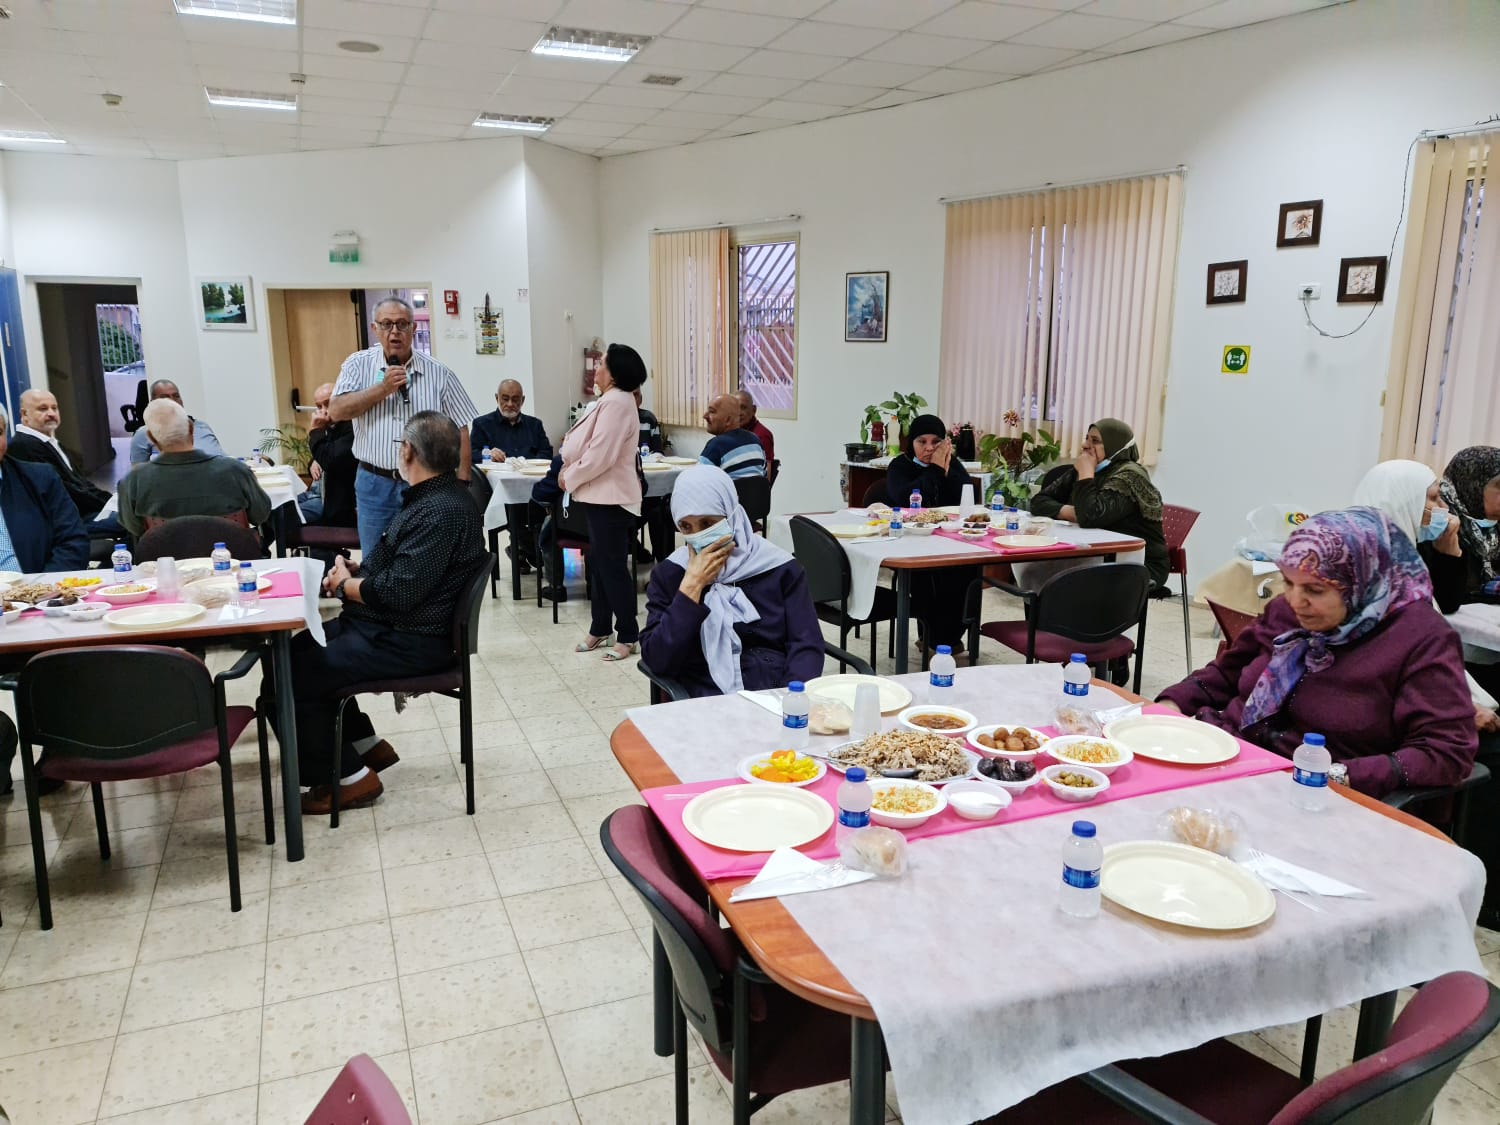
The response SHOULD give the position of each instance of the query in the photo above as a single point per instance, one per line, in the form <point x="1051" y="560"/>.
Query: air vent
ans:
<point x="514" y="122"/>
<point x="662" y="79"/>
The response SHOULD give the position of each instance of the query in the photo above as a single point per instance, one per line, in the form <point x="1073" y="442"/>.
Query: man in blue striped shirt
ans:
<point x="379" y="389"/>
<point x="738" y="452"/>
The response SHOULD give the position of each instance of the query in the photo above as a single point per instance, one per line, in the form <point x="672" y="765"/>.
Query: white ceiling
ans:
<point x="746" y="66"/>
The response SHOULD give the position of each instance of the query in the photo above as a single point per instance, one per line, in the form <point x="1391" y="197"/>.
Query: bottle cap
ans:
<point x="854" y="773"/>
<point x="1314" y="739"/>
<point x="119" y="546"/>
<point x="1078" y="658"/>
<point x="1084" y="828"/>
<point x="945" y="650"/>
<point x="795" y="685"/>
<point x="217" y="546"/>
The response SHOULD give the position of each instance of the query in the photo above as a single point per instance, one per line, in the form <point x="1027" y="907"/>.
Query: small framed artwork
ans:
<point x="866" y="307"/>
<point x="226" y="304"/>
<point x="1226" y="282"/>
<point x="1300" y="224"/>
<point x="1362" y="280"/>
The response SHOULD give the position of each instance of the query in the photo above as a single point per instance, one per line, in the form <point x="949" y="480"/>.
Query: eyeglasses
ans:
<point x="393" y="325"/>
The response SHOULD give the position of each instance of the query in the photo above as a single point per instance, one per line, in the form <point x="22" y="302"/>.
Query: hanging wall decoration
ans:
<point x="489" y="329"/>
<point x="1362" y="280"/>
<point x="1226" y="282"/>
<point x="226" y="304"/>
<point x="1300" y="224"/>
<point x="866" y="307"/>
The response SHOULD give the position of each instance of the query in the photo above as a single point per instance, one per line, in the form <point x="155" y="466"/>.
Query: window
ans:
<point x="690" y="294"/>
<point x="1442" y="394"/>
<point x="1057" y="304"/>
<point x="766" y="318"/>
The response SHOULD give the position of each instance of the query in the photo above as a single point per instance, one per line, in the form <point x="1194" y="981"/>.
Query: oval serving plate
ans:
<point x="160" y="616"/>
<point x="757" y="818"/>
<point x="1183" y="885"/>
<point x="1174" y="738"/>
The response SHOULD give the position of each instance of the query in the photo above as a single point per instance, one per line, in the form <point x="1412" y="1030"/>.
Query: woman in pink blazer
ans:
<point x="601" y="471"/>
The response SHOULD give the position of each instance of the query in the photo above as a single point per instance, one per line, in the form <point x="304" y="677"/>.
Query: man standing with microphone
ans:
<point x="379" y="389"/>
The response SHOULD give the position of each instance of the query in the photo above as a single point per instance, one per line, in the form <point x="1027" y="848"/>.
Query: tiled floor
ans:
<point x="494" y="965"/>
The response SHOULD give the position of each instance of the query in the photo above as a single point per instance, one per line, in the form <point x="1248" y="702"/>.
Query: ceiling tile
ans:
<point x="682" y="119"/>
<point x="313" y="120"/>
<point x="1237" y="13"/>
<point x="14" y="65"/>
<point x="637" y="144"/>
<point x="896" y="97"/>
<point x="690" y="79"/>
<point x="322" y="41"/>
<point x="786" y="64"/>
<point x="104" y="44"/>
<point x="336" y="138"/>
<point x="1012" y="58"/>
<point x="884" y="76"/>
<point x="607" y="130"/>
<point x="411" y="134"/>
<point x="794" y="9"/>
<point x="543" y="10"/>
<point x="466" y="56"/>
<point x="238" y="78"/>
<point x="826" y="93"/>
<point x="452" y="78"/>
<point x="517" y="35"/>
<point x="354" y="106"/>
<point x="973" y="19"/>
<point x="954" y="81"/>
<point x="663" y="133"/>
<point x="434" y="95"/>
<point x="218" y="54"/>
<point x="134" y="19"/>
<point x="897" y="15"/>
<point x="1150" y="10"/>
<point x="794" y="111"/>
<point x="717" y="103"/>
<point x="734" y="28"/>
<point x="546" y="88"/>
<point x="347" y="88"/>
<point x="923" y="50"/>
<point x="527" y="107"/>
<point x="565" y="70"/>
<point x="359" y="19"/>
<point x="672" y="52"/>
<point x="614" y="114"/>
<point x="358" y="67"/>
<point x="1080" y="33"/>
<point x="635" y="95"/>
<point x="835" y="39"/>
<point x="749" y="86"/>
<point x="238" y="33"/>
<point x="443" y="115"/>
<point x="1157" y="36"/>
<point x="636" y="17"/>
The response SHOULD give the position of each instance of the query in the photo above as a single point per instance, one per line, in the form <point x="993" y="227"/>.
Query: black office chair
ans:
<point x="131" y="411"/>
<point x="664" y="689"/>
<point x="829" y="581"/>
<point x="876" y="493"/>
<point x="480" y="491"/>
<point x="193" y="537"/>
<point x="570" y="532"/>
<point x="755" y="498"/>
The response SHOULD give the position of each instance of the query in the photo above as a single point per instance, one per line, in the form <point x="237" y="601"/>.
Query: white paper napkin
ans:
<point x="1285" y="876"/>
<point x="789" y="872"/>
<point x="770" y="699"/>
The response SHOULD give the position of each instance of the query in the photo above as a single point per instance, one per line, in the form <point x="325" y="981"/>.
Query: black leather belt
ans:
<point x="390" y="474"/>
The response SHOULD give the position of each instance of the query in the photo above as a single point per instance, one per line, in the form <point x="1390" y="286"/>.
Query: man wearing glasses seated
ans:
<point x="380" y="389"/>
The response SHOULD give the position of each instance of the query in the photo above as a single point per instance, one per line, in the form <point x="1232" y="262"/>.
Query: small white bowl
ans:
<point x="115" y="596"/>
<point x="754" y="759"/>
<point x="1058" y="750"/>
<point x="976" y="800"/>
<point x="973" y="532"/>
<point x="1012" y="786"/>
<point x="905" y="820"/>
<point x="1014" y="755"/>
<point x="920" y="528"/>
<point x="1069" y="792"/>
<point x="11" y="614"/>
<point x="58" y="610"/>
<point x="83" y="611"/>
<point x="968" y="720"/>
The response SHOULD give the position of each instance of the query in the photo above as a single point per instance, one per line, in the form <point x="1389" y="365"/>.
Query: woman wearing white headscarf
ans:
<point x="1407" y="492"/>
<point x="728" y="610"/>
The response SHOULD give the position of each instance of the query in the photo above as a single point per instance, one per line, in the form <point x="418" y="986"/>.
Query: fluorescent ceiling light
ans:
<point x="249" y="99"/>
<point x="30" y="138"/>
<point x="515" y="122"/>
<point x="600" y="46"/>
<point x="256" y="11"/>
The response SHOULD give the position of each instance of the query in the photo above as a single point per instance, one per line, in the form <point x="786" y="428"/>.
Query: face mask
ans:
<point x="1102" y="465"/>
<point x="1437" y="523"/>
<point x="1486" y="524"/>
<point x="701" y="540"/>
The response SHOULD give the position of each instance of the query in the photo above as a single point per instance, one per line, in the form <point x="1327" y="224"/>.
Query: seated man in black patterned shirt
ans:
<point x="398" y="615"/>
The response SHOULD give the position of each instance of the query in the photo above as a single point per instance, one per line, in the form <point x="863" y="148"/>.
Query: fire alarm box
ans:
<point x="450" y="301"/>
<point x="592" y="358"/>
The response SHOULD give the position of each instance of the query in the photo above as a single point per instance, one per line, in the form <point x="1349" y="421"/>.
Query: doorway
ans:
<point x="91" y="344"/>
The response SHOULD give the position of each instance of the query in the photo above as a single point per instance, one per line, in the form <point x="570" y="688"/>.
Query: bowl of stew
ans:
<point x="929" y="718"/>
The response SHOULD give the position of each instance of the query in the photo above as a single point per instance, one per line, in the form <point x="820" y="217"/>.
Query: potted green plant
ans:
<point x="905" y="408"/>
<point x="1013" y="462"/>
<point x="290" y="441"/>
<point x="869" y="425"/>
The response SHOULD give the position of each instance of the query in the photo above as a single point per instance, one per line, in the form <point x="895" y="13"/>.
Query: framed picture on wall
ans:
<point x="1226" y="282"/>
<point x="1300" y="224"/>
<point x="1362" y="280"/>
<point x="226" y="304"/>
<point x="866" y="307"/>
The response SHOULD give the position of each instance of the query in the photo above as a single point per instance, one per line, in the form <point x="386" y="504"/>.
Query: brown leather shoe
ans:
<point x="356" y="795"/>
<point x="380" y="757"/>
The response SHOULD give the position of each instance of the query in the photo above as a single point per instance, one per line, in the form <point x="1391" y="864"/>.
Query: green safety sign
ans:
<point x="1236" y="359"/>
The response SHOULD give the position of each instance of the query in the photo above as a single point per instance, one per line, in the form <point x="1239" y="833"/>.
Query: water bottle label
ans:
<point x="940" y="681"/>
<point x="1313" y="779"/>
<point x="850" y="819"/>
<point x="1070" y="688"/>
<point x="1084" y="880"/>
<point x="794" y="722"/>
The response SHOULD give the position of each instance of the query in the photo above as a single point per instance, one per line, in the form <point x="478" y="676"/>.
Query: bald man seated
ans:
<point x="738" y="452"/>
<point x="329" y="502"/>
<point x="204" y="438"/>
<point x="507" y="431"/>
<point x="36" y="441"/>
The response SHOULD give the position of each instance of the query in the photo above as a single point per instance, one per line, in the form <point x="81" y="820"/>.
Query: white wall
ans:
<point x="1320" y="105"/>
<point x="7" y="248"/>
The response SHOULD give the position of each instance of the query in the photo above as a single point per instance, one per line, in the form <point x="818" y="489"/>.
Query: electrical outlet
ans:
<point x="1309" y="292"/>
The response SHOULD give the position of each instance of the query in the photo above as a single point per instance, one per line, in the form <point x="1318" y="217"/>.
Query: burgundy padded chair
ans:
<point x="759" y="1035"/>
<point x="1087" y="609"/>
<point x="1220" y="1084"/>
<point x="118" y="736"/>
<point x="1231" y="622"/>
<point x="360" y="1095"/>
<point x="1176" y="523"/>
<point x="193" y="537"/>
<point x="455" y="682"/>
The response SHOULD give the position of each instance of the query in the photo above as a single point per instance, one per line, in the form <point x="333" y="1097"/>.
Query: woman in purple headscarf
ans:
<point x="1353" y="650"/>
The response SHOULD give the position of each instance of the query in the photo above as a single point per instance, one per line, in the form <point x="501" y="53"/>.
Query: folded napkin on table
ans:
<point x="1284" y="876"/>
<point x="770" y="699"/>
<point x="789" y="872"/>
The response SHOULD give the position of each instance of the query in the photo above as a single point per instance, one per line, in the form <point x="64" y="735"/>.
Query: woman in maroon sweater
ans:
<point x="1355" y="651"/>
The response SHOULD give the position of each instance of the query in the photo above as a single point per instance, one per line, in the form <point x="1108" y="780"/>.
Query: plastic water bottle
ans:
<point x="914" y="501"/>
<point x="221" y="560"/>
<point x="1076" y="677"/>
<point x="123" y="562"/>
<point x="484" y="455"/>
<point x="249" y="592"/>
<point x="1083" y="857"/>
<point x="997" y="510"/>
<point x="255" y="457"/>
<point x="940" y="677"/>
<point x="645" y="450"/>
<point x="794" y="709"/>
<point x="1012" y="519"/>
<point x="897" y="530"/>
<point x="1310" y="774"/>
<point x="855" y="798"/>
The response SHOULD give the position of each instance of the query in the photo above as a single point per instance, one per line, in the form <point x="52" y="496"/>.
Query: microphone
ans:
<point x="405" y="390"/>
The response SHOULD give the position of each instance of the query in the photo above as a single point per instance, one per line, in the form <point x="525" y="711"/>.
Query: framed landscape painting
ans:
<point x="866" y="307"/>
<point x="226" y="304"/>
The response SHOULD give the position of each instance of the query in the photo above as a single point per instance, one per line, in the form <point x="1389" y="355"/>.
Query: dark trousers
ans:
<point x="611" y="589"/>
<point x="938" y="599"/>
<point x="656" y="511"/>
<point x="524" y="520"/>
<point x="357" y="651"/>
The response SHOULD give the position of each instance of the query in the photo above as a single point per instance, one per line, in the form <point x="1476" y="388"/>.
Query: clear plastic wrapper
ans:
<point x="881" y="851"/>
<point x="1221" y="832"/>
<point x="1073" y="719"/>
<point x="828" y="716"/>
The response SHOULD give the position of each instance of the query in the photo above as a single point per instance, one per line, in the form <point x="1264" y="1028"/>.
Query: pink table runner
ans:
<point x="989" y="544"/>
<point x="1137" y="779"/>
<point x="287" y="584"/>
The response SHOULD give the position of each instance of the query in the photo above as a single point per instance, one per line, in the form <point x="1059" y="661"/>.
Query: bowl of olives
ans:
<point x="1016" y="777"/>
<point x="1019" y="744"/>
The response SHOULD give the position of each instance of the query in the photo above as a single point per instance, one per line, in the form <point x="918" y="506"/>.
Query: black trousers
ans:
<point x="938" y="599"/>
<point x="611" y="589"/>
<point x="524" y="520"/>
<point x="656" y="511"/>
<point x="357" y="651"/>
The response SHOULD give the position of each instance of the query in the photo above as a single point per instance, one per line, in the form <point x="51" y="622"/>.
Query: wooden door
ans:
<point x="322" y="329"/>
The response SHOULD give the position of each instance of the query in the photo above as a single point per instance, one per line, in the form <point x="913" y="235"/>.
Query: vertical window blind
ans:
<point x="1443" y="393"/>
<point x="1057" y="304"/>
<point x="690" y="327"/>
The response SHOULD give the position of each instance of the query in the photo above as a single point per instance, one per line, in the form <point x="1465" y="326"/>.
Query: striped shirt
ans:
<point x="738" y="452"/>
<point x="431" y="385"/>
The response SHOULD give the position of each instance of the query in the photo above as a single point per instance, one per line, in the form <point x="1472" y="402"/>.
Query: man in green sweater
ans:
<point x="185" y="481"/>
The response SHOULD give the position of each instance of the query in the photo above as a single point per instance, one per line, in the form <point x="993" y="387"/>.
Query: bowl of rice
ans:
<point x="1102" y="754"/>
<point x="905" y="804"/>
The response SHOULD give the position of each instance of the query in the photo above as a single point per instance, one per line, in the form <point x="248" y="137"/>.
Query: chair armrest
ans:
<point x="843" y="656"/>
<point x="1146" y="1102"/>
<point x="10" y="681"/>
<point x="1027" y="596"/>
<point x="1401" y="798"/>
<point x="673" y="690"/>
<point x="248" y="660"/>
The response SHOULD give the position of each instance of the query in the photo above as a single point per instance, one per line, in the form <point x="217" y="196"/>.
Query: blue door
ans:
<point x="17" y="376"/>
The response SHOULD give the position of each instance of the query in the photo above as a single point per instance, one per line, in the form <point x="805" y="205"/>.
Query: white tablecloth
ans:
<point x="510" y="486"/>
<point x="1478" y="625"/>
<point x="867" y="555"/>
<point x="281" y="486"/>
